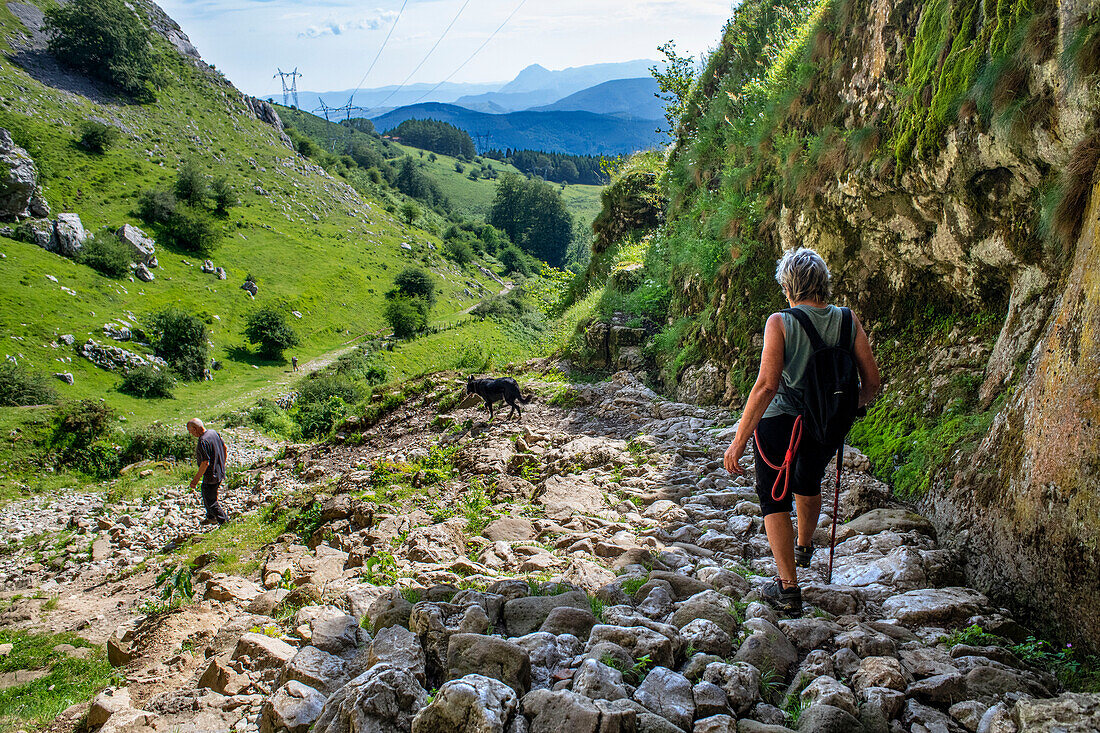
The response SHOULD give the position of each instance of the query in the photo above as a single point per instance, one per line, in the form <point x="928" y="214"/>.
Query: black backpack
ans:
<point x="829" y="398"/>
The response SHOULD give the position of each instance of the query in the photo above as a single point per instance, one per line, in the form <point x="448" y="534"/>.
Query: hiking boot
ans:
<point x="787" y="600"/>
<point x="209" y="521"/>
<point x="803" y="555"/>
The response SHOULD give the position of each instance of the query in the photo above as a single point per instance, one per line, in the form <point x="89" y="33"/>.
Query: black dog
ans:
<point x="495" y="390"/>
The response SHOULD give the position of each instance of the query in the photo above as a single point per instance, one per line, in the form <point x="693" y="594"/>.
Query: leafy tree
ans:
<point x="180" y="338"/>
<point x="106" y="40"/>
<point x="192" y="186"/>
<point x="410" y="212"/>
<point x="675" y="83"/>
<point x="269" y="328"/>
<point x="534" y="216"/>
<point x="406" y="316"/>
<point x="224" y="196"/>
<point x="412" y="182"/>
<point x="96" y="137"/>
<point x="415" y="283"/>
<point x="106" y="255"/>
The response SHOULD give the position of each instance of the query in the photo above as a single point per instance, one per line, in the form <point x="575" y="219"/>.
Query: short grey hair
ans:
<point x="803" y="275"/>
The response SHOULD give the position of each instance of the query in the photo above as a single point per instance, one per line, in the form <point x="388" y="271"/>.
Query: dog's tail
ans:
<point x="527" y="400"/>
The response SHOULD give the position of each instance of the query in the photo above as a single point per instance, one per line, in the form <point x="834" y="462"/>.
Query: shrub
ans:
<point x="458" y="250"/>
<point x="192" y="186"/>
<point x="324" y="387"/>
<point x="269" y="328"/>
<point x="194" y="230"/>
<point x="225" y="197"/>
<point x="20" y="387"/>
<point x="155" y="442"/>
<point x="97" y="137"/>
<point x="406" y="316"/>
<point x="106" y="40"/>
<point x="415" y="283"/>
<point x="147" y="382"/>
<point x="180" y="339"/>
<point x="106" y="255"/>
<point x="361" y="364"/>
<point x="318" y="419"/>
<point x="516" y="261"/>
<point x="268" y="417"/>
<point x="157" y="207"/>
<point x="79" y="437"/>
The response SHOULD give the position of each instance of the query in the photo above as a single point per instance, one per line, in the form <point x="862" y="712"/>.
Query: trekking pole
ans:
<point x="836" y="510"/>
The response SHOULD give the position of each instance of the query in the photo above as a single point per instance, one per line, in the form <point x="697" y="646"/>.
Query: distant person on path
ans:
<point x="211" y="455"/>
<point x="294" y="362"/>
<point x="798" y="343"/>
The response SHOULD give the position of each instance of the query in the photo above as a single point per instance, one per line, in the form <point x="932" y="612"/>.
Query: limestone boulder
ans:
<point x="316" y="668"/>
<point x="69" y="234"/>
<point x="19" y="188"/>
<point x="670" y="695"/>
<point x="400" y="648"/>
<point x="471" y="704"/>
<point x="525" y="615"/>
<point x="489" y="656"/>
<point x="142" y="247"/>
<point x="263" y="652"/>
<point x="292" y="709"/>
<point x="934" y="606"/>
<point x="383" y="699"/>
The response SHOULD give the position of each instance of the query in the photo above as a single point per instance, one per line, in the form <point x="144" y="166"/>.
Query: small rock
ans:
<point x="293" y="708"/>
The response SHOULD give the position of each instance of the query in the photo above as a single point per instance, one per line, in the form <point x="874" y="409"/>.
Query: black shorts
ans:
<point x="773" y="437"/>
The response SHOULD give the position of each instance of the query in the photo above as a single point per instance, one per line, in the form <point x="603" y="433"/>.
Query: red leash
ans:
<point x="836" y="510"/>
<point x="783" y="468"/>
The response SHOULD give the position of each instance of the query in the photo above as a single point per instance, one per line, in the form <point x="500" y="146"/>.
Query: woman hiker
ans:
<point x="773" y="408"/>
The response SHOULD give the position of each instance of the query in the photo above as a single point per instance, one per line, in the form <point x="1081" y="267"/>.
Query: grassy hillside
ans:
<point x="312" y="243"/>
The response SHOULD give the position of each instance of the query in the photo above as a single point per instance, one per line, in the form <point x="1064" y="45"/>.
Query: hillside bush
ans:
<point x="156" y="443"/>
<point x="361" y="364"/>
<point x="192" y="186"/>
<point x="147" y="382"/>
<point x="410" y="212"/>
<point x="106" y="40"/>
<point x="323" y="387"/>
<point x="157" y="207"/>
<point x="268" y="327"/>
<point x="19" y="386"/>
<point x="458" y="250"/>
<point x="223" y="195"/>
<point x="96" y="137"/>
<point x="318" y="419"/>
<point x="193" y="230"/>
<point x="80" y="438"/>
<point x="406" y="316"/>
<point x="180" y="339"/>
<point x="106" y="254"/>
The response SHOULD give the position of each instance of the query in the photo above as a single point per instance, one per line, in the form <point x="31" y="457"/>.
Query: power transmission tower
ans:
<point x="325" y="109"/>
<point x="289" y="90"/>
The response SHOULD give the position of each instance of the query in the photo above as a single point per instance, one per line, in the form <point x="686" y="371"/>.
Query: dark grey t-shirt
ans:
<point x="212" y="450"/>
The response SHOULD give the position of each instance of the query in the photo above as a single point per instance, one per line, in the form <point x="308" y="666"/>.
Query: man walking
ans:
<point x="294" y="362"/>
<point x="211" y="456"/>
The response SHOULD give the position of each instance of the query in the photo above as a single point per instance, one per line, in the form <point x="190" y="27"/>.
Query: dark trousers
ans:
<point x="773" y="437"/>
<point x="214" y="509"/>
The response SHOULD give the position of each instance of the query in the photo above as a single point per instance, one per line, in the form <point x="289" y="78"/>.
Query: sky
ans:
<point x="333" y="42"/>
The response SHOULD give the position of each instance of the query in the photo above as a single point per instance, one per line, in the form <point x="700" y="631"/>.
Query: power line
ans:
<point x="381" y="48"/>
<point x="475" y="53"/>
<point x="425" y="59"/>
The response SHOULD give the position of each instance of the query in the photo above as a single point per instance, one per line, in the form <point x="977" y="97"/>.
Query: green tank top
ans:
<point x="797" y="350"/>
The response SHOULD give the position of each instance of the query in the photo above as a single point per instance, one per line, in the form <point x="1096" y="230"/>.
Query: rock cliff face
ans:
<point x="942" y="156"/>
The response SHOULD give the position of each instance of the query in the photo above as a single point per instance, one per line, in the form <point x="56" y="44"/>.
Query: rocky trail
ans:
<point x="591" y="568"/>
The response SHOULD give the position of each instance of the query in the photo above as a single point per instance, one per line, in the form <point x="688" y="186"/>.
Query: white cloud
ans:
<point x="338" y="27"/>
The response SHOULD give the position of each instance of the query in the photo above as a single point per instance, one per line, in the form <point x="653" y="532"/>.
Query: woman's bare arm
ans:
<point x="766" y="387"/>
<point x="869" y="379"/>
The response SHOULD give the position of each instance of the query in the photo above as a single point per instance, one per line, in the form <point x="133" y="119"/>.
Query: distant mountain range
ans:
<point x="534" y="86"/>
<point x="600" y="109"/>
<point x="633" y="97"/>
<point x="576" y="132"/>
<point x="537" y="86"/>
